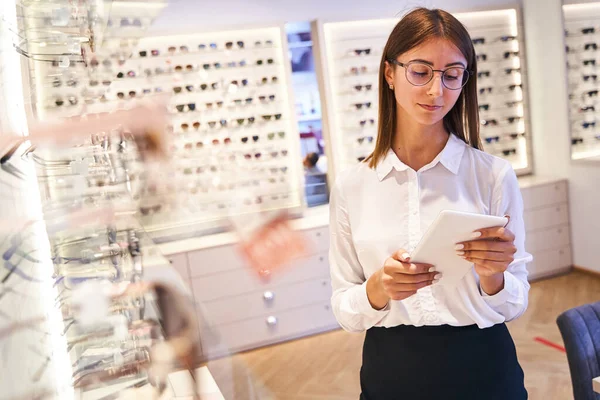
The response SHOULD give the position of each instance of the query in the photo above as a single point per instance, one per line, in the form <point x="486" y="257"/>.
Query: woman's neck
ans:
<point x="416" y="145"/>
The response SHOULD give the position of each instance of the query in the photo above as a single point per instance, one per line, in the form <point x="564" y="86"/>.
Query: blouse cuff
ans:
<point x="509" y="294"/>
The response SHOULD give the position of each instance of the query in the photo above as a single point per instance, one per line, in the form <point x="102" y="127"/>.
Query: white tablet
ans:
<point x="437" y="244"/>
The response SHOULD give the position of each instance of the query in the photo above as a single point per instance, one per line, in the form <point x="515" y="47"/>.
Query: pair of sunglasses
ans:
<point x="358" y="70"/>
<point x="587" y="125"/>
<point x="267" y="117"/>
<point x="265" y="80"/>
<point x="264" y="98"/>
<point x="261" y="62"/>
<point x="190" y="146"/>
<point x="188" y="68"/>
<point x="207" y="66"/>
<point x="487" y="122"/>
<point x="213" y="124"/>
<point x="144" y="53"/>
<point x="157" y="71"/>
<point x="233" y="64"/>
<point x="121" y="95"/>
<point x="360" y="87"/>
<point x="258" y="43"/>
<point x="492" y="139"/>
<point x="94" y="82"/>
<point x="217" y="141"/>
<point x="186" y="107"/>
<point x="185" y="126"/>
<point x="212" y="46"/>
<point x="360" y="105"/>
<point x="209" y="105"/>
<point x="71" y="99"/>
<point x="173" y="49"/>
<point x="214" y="86"/>
<point x="243" y="82"/>
<point x="178" y="89"/>
<point x="239" y="102"/>
<point x="245" y="139"/>
<point x="271" y="135"/>
<point x="72" y="82"/>
<point x="130" y="74"/>
<point x="241" y="121"/>
<point x="359" y="52"/>
<point x="364" y="122"/>
<point x="229" y="45"/>
<point x="368" y="139"/>
<point x="509" y="151"/>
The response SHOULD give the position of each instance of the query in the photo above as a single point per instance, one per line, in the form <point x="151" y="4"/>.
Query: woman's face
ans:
<point x="426" y="104"/>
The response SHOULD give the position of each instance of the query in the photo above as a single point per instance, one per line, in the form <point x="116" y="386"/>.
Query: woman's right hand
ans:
<point x="399" y="279"/>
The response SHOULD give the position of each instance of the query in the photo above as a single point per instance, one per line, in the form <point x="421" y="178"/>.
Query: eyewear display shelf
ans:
<point x="348" y="56"/>
<point x="582" y="29"/>
<point x="234" y="138"/>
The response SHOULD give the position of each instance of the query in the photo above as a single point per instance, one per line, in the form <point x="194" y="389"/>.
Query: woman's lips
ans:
<point x="430" y="108"/>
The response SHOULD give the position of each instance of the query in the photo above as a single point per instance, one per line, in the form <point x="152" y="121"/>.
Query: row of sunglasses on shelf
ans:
<point x="191" y="107"/>
<point x="489" y="139"/>
<point x="578" y="48"/>
<point x="74" y="82"/>
<point x="585" y="93"/>
<point x="587" y="140"/>
<point x="261" y="99"/>
<point x="90" y="98"/>
<point x="199" y="144"/>
<point x="483" y="57"/>
<point x="507" y="71"/>
<point x="495" y="122"/>
<point x="575" y="32"/>
<point x="223" y="123"/>
<point x="183" y="49"/>
<point x="500" y="39"/>
<point x="188" y="68"/>
<point x="196" y="125"/>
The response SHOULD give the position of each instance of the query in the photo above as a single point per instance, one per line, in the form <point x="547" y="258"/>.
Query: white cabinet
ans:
<point x="546" y="219"/>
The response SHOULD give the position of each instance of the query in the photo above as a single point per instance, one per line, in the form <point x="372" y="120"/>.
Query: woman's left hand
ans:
<point x="491" y="252"/>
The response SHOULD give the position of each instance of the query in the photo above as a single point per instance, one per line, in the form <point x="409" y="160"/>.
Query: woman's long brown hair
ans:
<point x="414" y="29"/>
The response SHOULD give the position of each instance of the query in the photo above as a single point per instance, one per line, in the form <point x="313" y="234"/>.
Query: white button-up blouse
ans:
<point x="375" y="212"/>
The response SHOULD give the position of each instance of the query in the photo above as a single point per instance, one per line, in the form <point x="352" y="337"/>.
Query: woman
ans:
<point x="426" y="341"/>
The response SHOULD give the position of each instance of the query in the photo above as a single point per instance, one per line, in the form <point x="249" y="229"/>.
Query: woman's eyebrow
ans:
<point x="447" y="65"/>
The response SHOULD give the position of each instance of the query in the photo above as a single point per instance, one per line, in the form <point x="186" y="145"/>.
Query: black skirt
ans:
<point x="440" y="362"/>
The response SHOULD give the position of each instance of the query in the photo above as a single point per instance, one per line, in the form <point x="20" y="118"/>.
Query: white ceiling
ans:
<point x="183" y="16"/>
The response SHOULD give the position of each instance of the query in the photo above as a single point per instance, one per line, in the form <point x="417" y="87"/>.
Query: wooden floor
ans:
<point x="325" y="367"/>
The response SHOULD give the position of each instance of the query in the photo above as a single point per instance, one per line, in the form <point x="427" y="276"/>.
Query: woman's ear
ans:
<point x="389" y="73"/>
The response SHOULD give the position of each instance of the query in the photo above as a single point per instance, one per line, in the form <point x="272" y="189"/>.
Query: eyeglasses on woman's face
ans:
<point x="420" y="74"/>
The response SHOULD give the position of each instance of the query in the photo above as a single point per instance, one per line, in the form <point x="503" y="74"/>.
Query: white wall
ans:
<point x="545" y="59"/>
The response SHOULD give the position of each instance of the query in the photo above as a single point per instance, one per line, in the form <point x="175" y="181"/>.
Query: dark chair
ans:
<point x="580" y="329"/>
